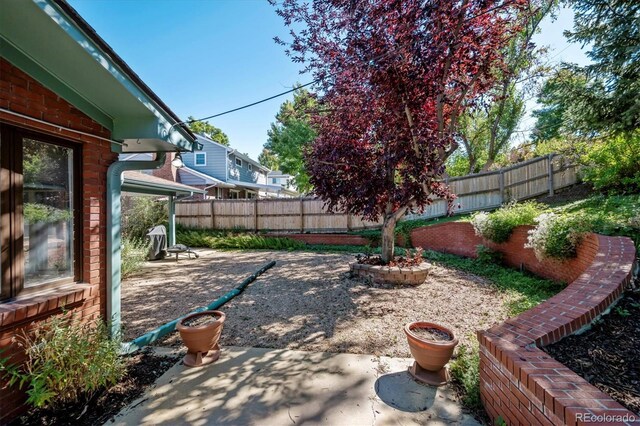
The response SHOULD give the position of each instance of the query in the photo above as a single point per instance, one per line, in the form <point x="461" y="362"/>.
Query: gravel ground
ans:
<point x="307" y="302"/>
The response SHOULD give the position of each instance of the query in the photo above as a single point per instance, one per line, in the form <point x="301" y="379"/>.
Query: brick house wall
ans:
<point x="23" y="95"/>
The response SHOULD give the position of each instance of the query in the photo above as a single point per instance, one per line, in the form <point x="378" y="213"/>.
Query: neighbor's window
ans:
<point x="40" y="211"/>
<point x="274" y="180"/>
<point x="201" y="159"/>
<point x="250" y="167"/>
<point x="238" y="162"/>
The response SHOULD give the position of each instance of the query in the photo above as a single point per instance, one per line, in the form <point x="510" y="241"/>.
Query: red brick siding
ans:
<point x="22" y="94"/>
<point x="518" y="381"/>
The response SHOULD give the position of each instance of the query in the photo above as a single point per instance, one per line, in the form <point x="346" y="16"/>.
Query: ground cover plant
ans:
<point x="225" y="240"/>
<point x="134" y="254"/>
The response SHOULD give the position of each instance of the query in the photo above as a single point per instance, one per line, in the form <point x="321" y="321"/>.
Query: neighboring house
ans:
<point x="227" y="174"/>
<point x="276" y="177"/>
<point x="69" y="105"/>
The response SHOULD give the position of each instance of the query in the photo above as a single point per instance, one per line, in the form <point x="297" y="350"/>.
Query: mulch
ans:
<point x="143" y="369"/>
<point x="608" y="354"/>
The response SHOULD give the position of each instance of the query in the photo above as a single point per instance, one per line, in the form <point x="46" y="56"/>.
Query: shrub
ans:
<point x="557" y="235"/>
<point x="141" y="213"/>
<point x="465" y="370"/>
<point x="498" y="225"/>
<point x="245" y="241"/>
<point x="612" y="164"/>
<point x="134" y="254"/>
<point x="65" y="359"/>
<point x="487" y="255"/>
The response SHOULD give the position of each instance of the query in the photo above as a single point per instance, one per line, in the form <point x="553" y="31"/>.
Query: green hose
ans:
<point x="167" y="328"/>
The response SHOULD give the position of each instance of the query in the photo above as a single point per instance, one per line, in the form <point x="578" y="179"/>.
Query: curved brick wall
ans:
<point x="520" y="382"/>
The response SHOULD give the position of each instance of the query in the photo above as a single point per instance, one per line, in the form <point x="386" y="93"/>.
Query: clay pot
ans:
<point x="430" y="356"/>
<point x="201" y="340"/>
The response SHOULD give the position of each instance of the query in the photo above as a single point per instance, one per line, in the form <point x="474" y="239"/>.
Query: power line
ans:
<point x="381" y="56"/>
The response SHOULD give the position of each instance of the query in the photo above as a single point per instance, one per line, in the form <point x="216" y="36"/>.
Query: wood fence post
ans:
<point x="213" y="215"/>
<point x="501" y="183"/>
<point x="255" y="214"/>
<point x="348" y="222"/>
<point x="550" y="168"/>
<point x="301" y="215"/>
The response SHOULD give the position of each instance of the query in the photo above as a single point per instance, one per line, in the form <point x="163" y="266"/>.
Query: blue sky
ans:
<point x="203" y="57"/>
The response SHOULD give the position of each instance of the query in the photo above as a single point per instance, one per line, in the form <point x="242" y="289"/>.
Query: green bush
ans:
<point x="487" y="255"/>
<point x="498" y="225"/>
<point x="230" y="240"/>
<point x="65" y="360"/>
<point x="134" y="254"/>
<point x="465" y="371"/>
<point x="557" y="235"/>
<point x="613" y="164"/>
<point x="141" y="213"/>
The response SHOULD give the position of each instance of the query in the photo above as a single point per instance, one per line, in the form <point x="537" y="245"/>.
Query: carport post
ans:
<point x="172" y="221"/>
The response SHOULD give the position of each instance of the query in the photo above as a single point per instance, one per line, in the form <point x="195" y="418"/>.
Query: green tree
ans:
<point x="269" y="159"/>
<point x="208" y="129"/>
<point x="485" y="132"/>
<point x="291" y="135"/>
<point x="611" y="103"/>
<point x="560" y="115"/>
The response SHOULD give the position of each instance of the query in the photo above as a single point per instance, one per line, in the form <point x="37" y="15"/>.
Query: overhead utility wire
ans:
<point x="318" y="80"/>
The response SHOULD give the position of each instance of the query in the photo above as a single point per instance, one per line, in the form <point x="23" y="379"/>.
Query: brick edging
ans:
<point x="518" y="381"/>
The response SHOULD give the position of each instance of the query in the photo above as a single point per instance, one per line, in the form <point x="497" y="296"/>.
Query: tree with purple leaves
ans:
<point x="394" y="77"/>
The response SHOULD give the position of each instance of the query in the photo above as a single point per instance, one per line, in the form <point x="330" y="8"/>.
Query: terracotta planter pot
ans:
<point x="430" y="356"/>
<point x="201" y="340"/>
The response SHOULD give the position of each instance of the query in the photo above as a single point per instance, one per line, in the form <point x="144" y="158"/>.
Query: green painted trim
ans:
<point x="39" y="73"/>
<point x="172" y="221"/>
<point x="167" y="129"/>
<point x="114" y="237"/>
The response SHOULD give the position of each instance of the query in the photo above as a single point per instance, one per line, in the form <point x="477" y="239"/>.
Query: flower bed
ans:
<point x="413" y="275"/>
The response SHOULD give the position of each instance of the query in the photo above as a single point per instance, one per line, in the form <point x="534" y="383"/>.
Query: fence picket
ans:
<point x="475" y="192"/>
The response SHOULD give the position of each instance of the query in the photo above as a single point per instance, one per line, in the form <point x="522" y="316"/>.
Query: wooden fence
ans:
<point x="475" y="192"/>
<point x="489" y="190"/>
<point x="276" y="214"/>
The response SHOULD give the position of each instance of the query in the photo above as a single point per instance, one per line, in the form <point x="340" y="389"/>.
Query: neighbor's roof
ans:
<point x="149" y="184"/>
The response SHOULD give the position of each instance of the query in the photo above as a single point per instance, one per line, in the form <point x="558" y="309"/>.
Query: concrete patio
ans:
<point x="250" y="386"/>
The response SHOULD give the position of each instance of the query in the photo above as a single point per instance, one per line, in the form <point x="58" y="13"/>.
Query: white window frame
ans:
<point x="240" y="160"/>
<point x="250" y="167"/>
<point x="233" y="192"/>
<point x="249" y="193"/>
<point x="195" y="158"/>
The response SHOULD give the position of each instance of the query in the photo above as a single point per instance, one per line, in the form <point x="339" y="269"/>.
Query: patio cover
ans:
<point x="141" y="183"/>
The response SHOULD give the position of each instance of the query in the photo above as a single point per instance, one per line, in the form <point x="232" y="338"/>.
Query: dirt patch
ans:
<point x="199" y="320"/>
<point x="568" y="195"/>
<point x="308" y="302"/>
<point x="143" y="369"/>
<point x="608" y="354"/>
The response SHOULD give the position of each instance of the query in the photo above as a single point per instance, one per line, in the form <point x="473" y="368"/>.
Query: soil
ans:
<point x="431" y="334"/>
<point x="201" y="320"/>
<point x="143" y="369"/>
<point x="608" y="354"/>
<point x="308" y="301"/>
<point x="568" y="195"/>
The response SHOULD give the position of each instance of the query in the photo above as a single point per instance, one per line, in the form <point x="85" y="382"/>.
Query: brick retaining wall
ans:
<point x="518" y="381"/>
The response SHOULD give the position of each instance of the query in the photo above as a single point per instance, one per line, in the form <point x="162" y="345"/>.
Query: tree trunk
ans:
<point x="388" y="238"/>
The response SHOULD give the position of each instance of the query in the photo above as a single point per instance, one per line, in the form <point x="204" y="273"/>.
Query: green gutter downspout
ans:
<point x="114" y="241"/>
<point x="172" y="220"/>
